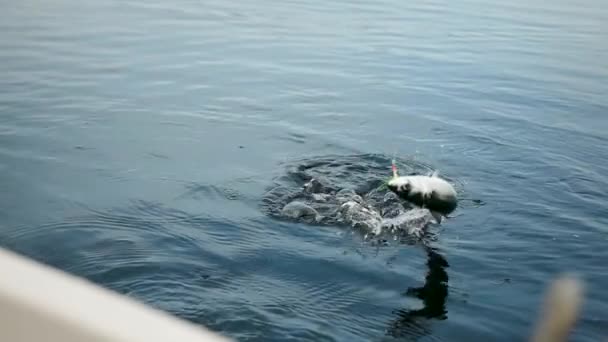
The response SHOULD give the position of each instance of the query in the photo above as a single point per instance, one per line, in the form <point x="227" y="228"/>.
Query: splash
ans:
<point x="348" y="191"/>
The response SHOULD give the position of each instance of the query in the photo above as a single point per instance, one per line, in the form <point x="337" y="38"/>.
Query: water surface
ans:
<point x="138" y="138"/>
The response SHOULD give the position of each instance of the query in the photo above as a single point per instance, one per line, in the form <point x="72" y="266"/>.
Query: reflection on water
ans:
<point x="434" y="293"/>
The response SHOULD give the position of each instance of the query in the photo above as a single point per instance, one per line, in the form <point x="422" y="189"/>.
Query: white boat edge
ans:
<point x="41" y="303"/>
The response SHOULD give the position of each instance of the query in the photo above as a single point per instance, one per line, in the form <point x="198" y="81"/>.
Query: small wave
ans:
<point x="121" y="240"/>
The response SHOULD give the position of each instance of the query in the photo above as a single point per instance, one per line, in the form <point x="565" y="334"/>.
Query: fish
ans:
<point x="425" y="191"/>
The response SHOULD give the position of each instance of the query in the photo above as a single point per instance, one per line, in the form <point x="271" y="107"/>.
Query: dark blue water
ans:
<point x="138" y="138"/>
